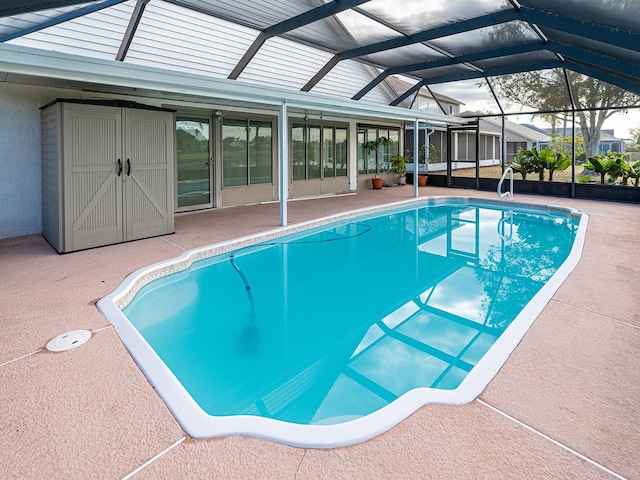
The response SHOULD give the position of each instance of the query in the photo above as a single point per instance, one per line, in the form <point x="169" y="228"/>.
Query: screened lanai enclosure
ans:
<point x="273" y="100"/>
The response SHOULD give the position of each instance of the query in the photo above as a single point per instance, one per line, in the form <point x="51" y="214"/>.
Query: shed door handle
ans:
<point x="119" y="167"/>
<point x="128" y="167"/>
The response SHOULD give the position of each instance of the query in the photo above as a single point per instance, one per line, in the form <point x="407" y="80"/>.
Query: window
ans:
<point x="313" y="152"/>
<point x="462" y="147"/>
<point x="512" y="149"/>
<point x="372" y="155"/>
<point x="372" y="160"/>
<point x="234" y="152"/>
<point x="328" y="152"/>
<point x="471" y="147"/>
<point x="318" y="151"/>
<point x="299" y="152"/>
<point x="247" y="152"/>
<point x="427" y="105"/>
<point x="341" y="152"/>
<point x="260" y="152"/>
<point x="387" y="152"/>
<point x="439" y="141"/>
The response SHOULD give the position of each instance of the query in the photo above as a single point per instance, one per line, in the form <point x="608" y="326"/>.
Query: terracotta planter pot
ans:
<point x="376" y="183"/>
<point x="422" y="180"/>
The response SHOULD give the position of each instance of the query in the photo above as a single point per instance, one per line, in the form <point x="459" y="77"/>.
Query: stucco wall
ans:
<point x="20" y="166"/>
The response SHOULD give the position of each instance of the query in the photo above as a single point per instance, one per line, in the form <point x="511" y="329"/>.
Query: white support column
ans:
<point x="454" y="153"/>
<point x="353" y="155"/>
<point x="416" y="132"/>
<point x="283" y="163"/>
<point x="427" y="144"/>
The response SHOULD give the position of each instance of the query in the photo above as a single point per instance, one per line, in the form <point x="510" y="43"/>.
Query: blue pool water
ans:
<point x="335" y="323"/>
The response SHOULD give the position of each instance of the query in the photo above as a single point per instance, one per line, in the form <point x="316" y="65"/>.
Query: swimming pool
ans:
<point x="331" y="332"/>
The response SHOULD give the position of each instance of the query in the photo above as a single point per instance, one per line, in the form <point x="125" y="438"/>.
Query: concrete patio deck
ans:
<point x="565" y="405"/>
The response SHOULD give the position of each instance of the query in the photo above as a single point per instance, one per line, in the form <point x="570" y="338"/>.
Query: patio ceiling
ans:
<point x="435" y="42"/>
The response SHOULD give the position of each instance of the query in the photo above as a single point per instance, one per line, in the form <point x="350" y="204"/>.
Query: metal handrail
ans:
<point x="510" y="191"/>
<point x="501" y="230"/>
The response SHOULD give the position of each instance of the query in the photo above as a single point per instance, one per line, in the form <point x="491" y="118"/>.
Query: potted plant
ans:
<point x="373" y="146"/>
<point x="376" y="182"/>
<point x="399" y="164"/>
<point x="425" y="154"/>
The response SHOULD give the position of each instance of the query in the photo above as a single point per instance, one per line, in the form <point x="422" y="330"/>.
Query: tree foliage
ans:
<point x="562" y="144"/>
<point x="534" y="161"/>
<point x="635" y="136"/>
<point x="547" y="90"/>
<point x="522" y="163"/>
<point x="615" y="164"/>
<point x="634" y="173"/>
<point x="511" y="274"/>
<point x="188" y="141"/>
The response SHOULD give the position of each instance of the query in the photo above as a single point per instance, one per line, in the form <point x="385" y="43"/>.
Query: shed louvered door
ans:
<point x="148" y="176"/>
<point x="93" y="203"/>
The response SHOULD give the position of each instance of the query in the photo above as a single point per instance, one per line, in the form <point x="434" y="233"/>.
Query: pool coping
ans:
<point x="199" y="424"/>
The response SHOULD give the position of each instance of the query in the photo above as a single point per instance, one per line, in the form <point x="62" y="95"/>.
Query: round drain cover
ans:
<point x="68" y="340"/>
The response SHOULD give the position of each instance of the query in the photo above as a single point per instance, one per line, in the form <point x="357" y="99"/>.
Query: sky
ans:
<point x="478" y="99"/>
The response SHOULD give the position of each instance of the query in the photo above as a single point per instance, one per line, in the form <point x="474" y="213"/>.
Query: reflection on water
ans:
<point x="349" y="318"/>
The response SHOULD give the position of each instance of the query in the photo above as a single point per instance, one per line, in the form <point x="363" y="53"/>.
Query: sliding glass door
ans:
<point x="195" y="163"/>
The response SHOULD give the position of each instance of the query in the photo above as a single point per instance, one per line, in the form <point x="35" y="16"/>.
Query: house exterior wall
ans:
<point x="611" y="146"/>
<point x="452" y="108"/>
<point x="21" y="200"/>
<point x="20" y="157"/>
<point x="428" y="104"/>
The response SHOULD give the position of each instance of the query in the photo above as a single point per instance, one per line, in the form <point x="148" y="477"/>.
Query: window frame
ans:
<point x="249" y="123"/>
<point x="306" y="127"/>
<point x="364" y="158"/>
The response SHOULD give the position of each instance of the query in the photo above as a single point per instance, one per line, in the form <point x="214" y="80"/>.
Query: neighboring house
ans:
<point x="423" y="101"/>
<point x="463" y="142"/>
<point x="517" y="136"/>
<point x="608" y="141"/>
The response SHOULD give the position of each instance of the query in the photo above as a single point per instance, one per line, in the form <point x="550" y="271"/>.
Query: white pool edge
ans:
<point x="199" y="424"/>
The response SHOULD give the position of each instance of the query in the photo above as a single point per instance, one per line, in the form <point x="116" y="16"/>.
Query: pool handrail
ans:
<point x="501" y="230"/>
<point x="510" y="191"/>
